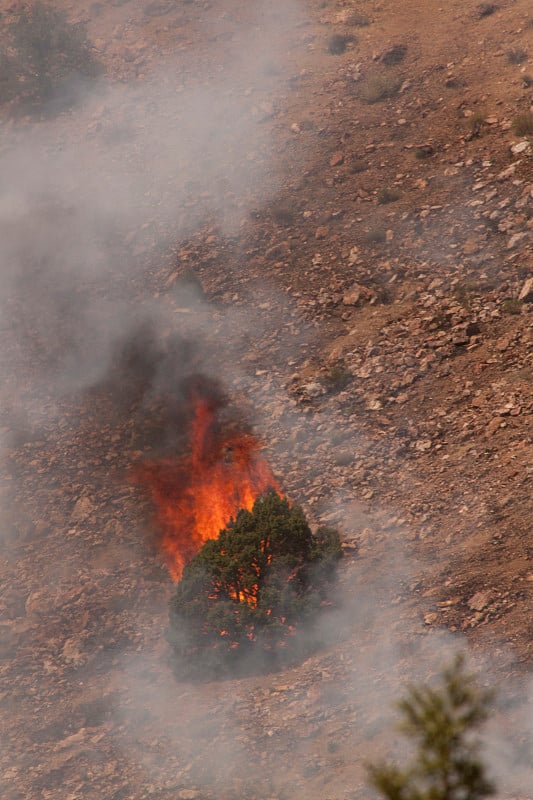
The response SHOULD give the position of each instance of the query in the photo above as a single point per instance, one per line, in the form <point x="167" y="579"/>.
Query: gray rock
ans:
<point x="526" y="293"/>
<point x="521" y="147"/>
<point x="479" y="601"/>
<point x="515" y="239"/>
<point x="83" y="509"/>
<point x="313" y="389"/>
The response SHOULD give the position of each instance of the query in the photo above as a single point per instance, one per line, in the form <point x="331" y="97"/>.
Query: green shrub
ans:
<point x="43" y="55"/>
<point x="246" y="590"/>
<point x="441" y="721"/>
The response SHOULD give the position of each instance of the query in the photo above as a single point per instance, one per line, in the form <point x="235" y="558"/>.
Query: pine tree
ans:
<point x="248" y="589"/>
<point x="441" y="721"/>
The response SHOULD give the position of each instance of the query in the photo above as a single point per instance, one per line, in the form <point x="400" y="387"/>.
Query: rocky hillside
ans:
<point x="349" y="186"/>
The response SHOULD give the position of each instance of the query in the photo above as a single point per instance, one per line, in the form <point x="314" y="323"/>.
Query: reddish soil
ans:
<point x="362" y="309"/>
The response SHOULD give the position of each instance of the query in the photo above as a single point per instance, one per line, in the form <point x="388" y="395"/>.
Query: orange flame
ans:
<point x="196" y="496"/>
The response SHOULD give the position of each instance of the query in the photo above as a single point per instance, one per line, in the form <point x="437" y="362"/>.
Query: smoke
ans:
<point x="91" y="207"/>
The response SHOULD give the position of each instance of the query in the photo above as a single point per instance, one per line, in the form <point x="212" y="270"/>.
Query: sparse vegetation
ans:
<point x="337" y="378"/>
<point x="486" y="9"/>
<point x="43" y="55"/>
<point x="395" y="55"/>
<point x="387" y="195"/>
<point x="517" y="55"/>
<point x="512" y="306"/>
<point x="441" y="722"/>
<point x="358" y="20"/>
<point x="339" y="42"/>
<point x="358" y="165"/>
<point x="523" y="124"/>
<point x="476" y="122"/>
<point x="379" y="85"/>
<point x="282" y="214"/>
<point x="246" y="590"/>
<point x="424" y="151"/>
<point x="464" y="291"/>
<point x="376" y="235"/>
<point x="343" y="458"/>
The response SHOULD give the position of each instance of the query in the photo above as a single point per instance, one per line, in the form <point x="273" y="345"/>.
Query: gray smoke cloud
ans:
<point x="90" y="206"/>
<point x="93" y="201"/>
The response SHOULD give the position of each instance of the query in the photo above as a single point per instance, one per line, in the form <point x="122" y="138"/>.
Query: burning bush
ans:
<point x="249" y="588"/>
<point x="198" y="492"/>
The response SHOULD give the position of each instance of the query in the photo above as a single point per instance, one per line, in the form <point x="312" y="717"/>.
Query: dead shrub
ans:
<point x="376" y="235"/>
<point x="339" y="42"/>
<point x="337" y="378"/>
<point x="512" y="306"/>
<point x="476" y="122"/>
<point x="395" y="55"/>
<point x="379" y="85"/>
<point x="358" y="20"/>
<point x="486" y="9"/>
<point x="517" y="55"/>
<point x="387" y="195"/>
<point x="523" y="124"/>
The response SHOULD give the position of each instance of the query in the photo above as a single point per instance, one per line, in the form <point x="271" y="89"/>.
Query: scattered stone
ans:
<point x="479" y="601"/>
<point x="321" y="232"/>
<point x="337" y="159"/>
<point x="83" y="509"/>
<point x="471" y="246"/>
<point x="515" y="239"/>
<point x="526" y="292"/>
<point x="357" y="294"/>
<point x="508" y="172"/>
<point x="39" y="603"/>
<point x="313" y="389"/>
<point x="521" y="147"/>
<point x="374" y="405"/>
<point x="72" y="651"/>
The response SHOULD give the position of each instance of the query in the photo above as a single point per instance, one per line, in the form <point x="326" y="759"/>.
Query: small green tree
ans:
<point x="441" y="722"/>
<point x="250" y="587"/>
<point x="41" y="54"/>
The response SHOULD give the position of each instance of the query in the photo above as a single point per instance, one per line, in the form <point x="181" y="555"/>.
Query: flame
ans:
<point x="197" y="495"/>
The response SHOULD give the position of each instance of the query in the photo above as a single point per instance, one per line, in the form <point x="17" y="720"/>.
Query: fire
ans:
<point x="198" y="494"/>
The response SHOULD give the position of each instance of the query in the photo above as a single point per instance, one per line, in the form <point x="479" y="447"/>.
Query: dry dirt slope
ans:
<point x="367" y="285"/>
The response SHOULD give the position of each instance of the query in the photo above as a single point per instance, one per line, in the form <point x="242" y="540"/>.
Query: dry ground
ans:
<point x="361" y="306"/>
